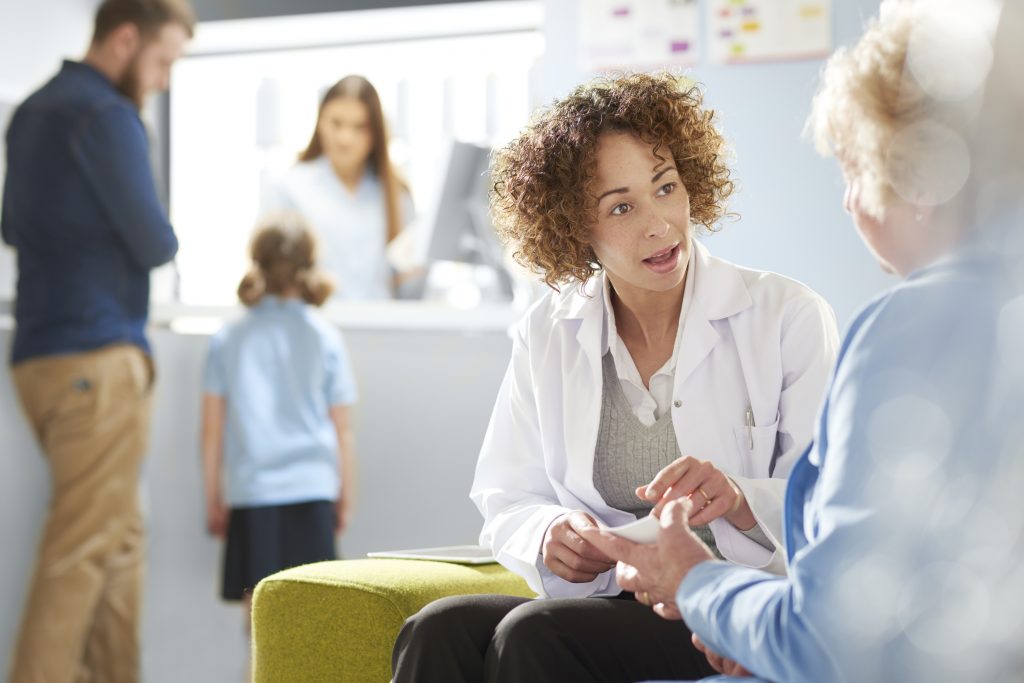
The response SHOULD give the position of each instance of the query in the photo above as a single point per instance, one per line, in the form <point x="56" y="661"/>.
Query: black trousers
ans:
<point x="503" y="639"/>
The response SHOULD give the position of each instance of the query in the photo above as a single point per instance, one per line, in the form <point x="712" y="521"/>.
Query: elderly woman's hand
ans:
<point x="711" y="491"/>
<point x="653" y="571"/>
<point x="568" y="554"/>
<point x="722" y="665"/>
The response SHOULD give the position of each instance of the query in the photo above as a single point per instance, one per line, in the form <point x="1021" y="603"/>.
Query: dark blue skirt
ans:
<point x="264" y="540"/>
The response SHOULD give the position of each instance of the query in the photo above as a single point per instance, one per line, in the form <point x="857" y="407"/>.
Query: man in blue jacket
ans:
<point x="81" y="210"/>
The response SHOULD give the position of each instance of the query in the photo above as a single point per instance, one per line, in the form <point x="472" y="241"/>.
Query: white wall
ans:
<point x="36" y="36"/>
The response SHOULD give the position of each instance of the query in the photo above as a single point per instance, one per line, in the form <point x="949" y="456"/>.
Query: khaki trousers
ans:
<point x="91" y="414"/>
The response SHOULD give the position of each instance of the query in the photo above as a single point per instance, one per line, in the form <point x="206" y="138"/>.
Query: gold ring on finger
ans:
<point x="707" y="498"/>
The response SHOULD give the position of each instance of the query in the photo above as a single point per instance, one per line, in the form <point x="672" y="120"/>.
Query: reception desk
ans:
<point x="427" y="379"/>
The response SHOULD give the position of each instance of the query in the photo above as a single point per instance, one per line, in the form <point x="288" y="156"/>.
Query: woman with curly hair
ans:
<point x="652" y="371"/>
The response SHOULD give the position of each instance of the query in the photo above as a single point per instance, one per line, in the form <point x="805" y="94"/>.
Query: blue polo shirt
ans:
<point x="280" y="368"/>
<point x="80" y="207"/>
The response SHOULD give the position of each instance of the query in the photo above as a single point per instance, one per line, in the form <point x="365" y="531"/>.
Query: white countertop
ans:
<point x="380" y="315"/>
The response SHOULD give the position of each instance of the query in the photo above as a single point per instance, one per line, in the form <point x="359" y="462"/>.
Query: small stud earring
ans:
<point x="919" y="216"/>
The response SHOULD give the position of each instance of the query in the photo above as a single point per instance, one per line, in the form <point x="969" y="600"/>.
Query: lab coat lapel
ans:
<point x="718" y="292"/>
<point x="581" y="393"/>
<point x="699" y="337"/>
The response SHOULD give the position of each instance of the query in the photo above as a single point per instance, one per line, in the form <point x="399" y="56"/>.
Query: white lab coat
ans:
<point x="750" y="338"/>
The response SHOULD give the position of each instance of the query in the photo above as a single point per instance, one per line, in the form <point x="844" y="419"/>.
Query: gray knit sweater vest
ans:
<point x="629" y="453"/>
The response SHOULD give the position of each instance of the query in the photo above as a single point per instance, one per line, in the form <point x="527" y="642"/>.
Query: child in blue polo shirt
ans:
<point x="277" y="442"/>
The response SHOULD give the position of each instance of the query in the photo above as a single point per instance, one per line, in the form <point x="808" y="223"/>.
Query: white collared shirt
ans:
<point x="351" y="225"/>
<point x="648" y="404"/>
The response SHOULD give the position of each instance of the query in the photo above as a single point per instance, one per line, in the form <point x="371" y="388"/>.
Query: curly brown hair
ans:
<point x="542" y="200"/>
<point x="283" y="252"/>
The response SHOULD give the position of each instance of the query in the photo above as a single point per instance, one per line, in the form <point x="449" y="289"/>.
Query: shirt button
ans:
<point x="677" y="403"/>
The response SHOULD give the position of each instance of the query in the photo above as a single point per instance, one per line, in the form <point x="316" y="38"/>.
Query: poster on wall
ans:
<point x="765" y="30"/>
<point x="638" y="34"/>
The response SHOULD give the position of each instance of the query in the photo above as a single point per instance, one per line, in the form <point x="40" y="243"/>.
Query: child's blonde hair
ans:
<point x="283" y="251"/>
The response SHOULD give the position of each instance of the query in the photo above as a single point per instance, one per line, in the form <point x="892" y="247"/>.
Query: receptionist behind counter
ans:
<point x="345" y="186"/>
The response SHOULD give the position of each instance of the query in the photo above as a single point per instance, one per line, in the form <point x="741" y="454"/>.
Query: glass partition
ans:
<point x="241" y="110"/>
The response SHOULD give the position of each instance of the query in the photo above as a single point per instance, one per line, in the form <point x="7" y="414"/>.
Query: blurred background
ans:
<point x="455" y="79"/>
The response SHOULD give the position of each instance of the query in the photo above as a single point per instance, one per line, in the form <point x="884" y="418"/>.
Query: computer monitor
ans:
<point x="460" y="228"/>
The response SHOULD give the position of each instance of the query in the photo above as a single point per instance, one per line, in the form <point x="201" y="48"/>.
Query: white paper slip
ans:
<point x="459" y="554"/>
<point x="643" y="530"/>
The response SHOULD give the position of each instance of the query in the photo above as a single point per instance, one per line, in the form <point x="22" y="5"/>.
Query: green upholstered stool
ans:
<point x="337" y="621"/>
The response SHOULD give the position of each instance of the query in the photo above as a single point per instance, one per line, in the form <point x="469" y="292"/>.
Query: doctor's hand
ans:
<point x="653" y="571"/>
<point x="568" y="554"/>
<point x="719" y="663"/>
<point x="712" y="493"/>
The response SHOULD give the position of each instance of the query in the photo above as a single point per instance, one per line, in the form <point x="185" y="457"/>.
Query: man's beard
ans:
<point x="129" y="86"/>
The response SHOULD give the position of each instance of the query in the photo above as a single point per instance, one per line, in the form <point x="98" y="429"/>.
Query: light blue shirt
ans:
<point x="904" y="520"/>
<point x="351" y="225"/>
<point x="281" y="367"/>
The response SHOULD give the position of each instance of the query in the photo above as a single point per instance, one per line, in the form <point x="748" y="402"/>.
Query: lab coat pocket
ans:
<point x="756" y="447"/>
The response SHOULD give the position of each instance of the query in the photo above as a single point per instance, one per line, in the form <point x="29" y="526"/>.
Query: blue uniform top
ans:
<point x="81" y="209"/>
<point x="280" y="368"/>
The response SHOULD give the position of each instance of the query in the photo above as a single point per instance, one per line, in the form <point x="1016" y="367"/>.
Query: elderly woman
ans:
<point x="649" y="353"/>
<point x="904" y="521"/>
